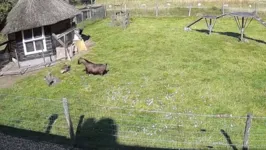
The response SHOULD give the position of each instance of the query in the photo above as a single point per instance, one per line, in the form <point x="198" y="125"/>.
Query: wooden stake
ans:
<point x="68" y="119"/>
<point x="246" y="133"/>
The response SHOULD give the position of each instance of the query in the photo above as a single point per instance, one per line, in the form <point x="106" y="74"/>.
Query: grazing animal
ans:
<point x="92" y="68"/>
<point x="51" y="80"/>
<point x="65" y="68"/>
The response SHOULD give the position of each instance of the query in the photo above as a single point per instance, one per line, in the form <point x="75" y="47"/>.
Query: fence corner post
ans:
<point x="68" y="119"/>
<point x="246" y="132"/>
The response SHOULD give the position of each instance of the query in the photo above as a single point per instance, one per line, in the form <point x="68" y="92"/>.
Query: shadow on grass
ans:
<point x="231" y="34"/>
<point x="52" y="120"/>
<point x="90" y="134"/>
<point x="228" y="139"/>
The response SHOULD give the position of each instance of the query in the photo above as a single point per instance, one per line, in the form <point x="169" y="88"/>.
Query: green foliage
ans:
<point x="5" y="7"/>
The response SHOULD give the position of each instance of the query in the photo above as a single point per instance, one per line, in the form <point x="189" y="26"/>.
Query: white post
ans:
<point x="247" y="131"/>
<point x="68" y="119"/>
<point x="223" y="7"/>
<point x="156" y="9"/>
<point x="189" y="11"/>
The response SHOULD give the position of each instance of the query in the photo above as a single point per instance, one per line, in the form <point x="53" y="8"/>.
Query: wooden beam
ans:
<point x="63" y="44"/>
<point x="4" y="43"/>
<point x="65" y="32"/>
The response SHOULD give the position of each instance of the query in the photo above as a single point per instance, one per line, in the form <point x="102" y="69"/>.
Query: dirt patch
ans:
<point x="9" y="81"/>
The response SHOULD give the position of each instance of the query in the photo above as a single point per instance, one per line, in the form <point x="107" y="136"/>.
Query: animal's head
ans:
<point x="106" y="70"/>
<point x="80" y="60"/>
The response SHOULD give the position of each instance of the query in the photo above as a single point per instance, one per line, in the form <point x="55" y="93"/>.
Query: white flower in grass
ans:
<point x="168" y="116"/>
<point x="110" y="6"/>
<point x="199" y="4"/>
<point x="165" y="126"/>
<point x="144" y="130"/>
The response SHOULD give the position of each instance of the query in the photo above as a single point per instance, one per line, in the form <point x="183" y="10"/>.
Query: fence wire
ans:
<point x="102" y="125"/>
<point x="175" y="8"/>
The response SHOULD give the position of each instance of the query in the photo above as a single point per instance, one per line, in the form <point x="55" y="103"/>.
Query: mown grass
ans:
<point x="155" y="66"/>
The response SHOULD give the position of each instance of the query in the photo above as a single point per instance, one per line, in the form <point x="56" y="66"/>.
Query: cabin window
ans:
<point x="34" y="41"/>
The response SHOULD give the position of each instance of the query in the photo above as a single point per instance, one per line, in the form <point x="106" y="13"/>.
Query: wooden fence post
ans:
<point x="68" y="119"/>
<point x="16" y="53"/>
<point x="223" y="8"/>
<point x="156" y="9"/>
<point x="246" y="133"/>
<point x="105" y="11"/>
<point x="43" y="56"/>
<point x="189" y="11"/>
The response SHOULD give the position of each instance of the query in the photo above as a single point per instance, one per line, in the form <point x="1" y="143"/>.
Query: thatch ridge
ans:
<point x="28" y="14"/>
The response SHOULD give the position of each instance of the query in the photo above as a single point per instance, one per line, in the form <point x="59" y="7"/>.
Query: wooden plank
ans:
<point x="60" y="42"/>
<point x="63" y="44"/>
<point x="65" y="32"/>
<point x="6" y="42"/>
<point x="17" y="57"/>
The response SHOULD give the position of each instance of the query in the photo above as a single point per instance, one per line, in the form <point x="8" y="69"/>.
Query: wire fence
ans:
<point x="181" y="8"/>
<point x="103" y="125"/>
<point x="91" y="13"/>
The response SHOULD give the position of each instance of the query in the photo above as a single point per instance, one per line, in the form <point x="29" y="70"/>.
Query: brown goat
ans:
<point x="92" y="68"/>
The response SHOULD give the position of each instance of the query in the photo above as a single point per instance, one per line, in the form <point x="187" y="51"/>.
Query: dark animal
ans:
<point x="51" y="80"/>
<point x="83" y="36"/>
<point x="119" y="12"/>
<point x="65" y="68"/>
<point x="92" y="68"/>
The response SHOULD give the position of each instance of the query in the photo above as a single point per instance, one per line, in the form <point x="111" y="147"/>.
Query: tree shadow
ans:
<point x="52" y="120"/>
<point x="96" y="134"/>
<point x="90" y="134"/>
<point x="231" y="34"/>
<point x="102" y="134"/>
<point x="228" y="139"/>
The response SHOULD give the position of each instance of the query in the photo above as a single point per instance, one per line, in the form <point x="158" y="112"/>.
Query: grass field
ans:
<point x="155" y="66"/>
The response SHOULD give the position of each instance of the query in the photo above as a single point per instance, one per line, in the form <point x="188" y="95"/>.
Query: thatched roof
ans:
<point x="28" y="14"/>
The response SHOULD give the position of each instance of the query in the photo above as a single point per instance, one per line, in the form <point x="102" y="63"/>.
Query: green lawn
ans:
<point x="155" y="66"/>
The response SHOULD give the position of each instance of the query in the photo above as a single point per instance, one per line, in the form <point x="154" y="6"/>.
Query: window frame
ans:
<point x="33" y="40"/>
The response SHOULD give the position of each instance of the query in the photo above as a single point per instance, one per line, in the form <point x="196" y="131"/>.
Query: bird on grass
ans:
<point x="51" y="80"/>
<point x="65" y="68"/>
